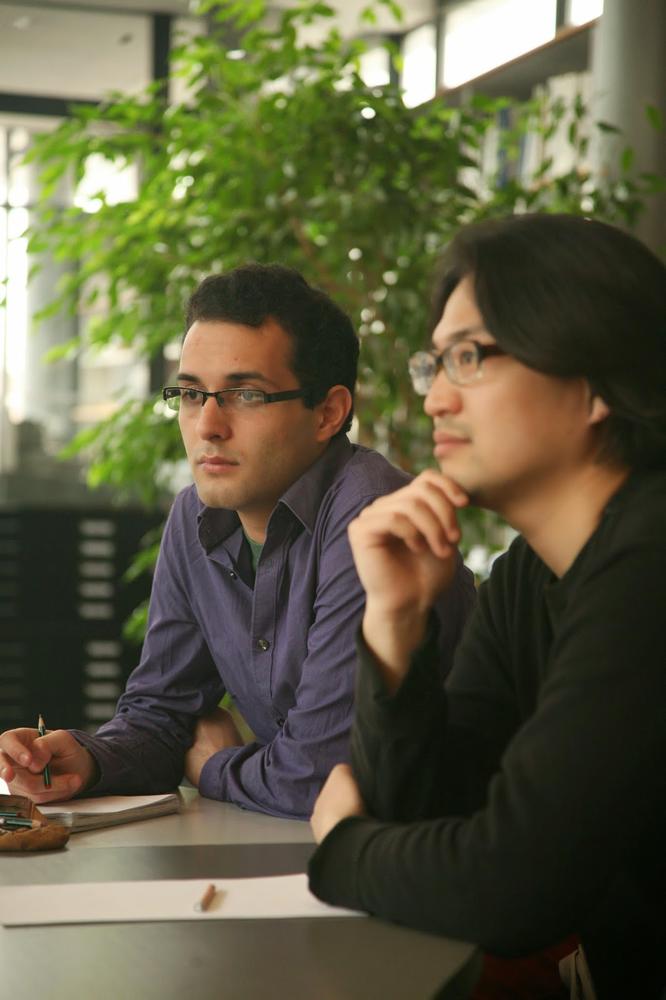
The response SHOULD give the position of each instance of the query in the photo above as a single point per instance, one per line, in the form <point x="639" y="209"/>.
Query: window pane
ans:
<point x="582" y="11"/>
<point x="481" y="34"/>
<point x="184" y="30"/>
<point x="375" y="69"/>
<point x="4" y="173"/>
<point x="117" y="180"/>
<point x="419" y="59"/>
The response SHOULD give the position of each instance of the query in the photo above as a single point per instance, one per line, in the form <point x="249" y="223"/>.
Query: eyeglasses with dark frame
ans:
<point x="238" y="399"/>
<point x="461" y="361"/>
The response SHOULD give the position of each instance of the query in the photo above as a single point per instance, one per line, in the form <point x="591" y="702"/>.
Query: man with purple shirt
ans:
<point x="255" y="591"/>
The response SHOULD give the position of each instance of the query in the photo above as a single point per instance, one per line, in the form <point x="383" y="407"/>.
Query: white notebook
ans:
<point x="109" y="810"/>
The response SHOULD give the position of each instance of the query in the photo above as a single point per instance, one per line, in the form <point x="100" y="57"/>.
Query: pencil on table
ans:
<point x="46" y="772"/>
<point x="202" y="904"/>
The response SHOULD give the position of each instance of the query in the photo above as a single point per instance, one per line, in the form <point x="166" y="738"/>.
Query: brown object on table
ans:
<point x="42" y="836"/>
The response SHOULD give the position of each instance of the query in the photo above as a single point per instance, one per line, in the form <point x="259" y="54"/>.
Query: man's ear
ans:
<point x="599" y="409"/>
<point x="333" y="411"/>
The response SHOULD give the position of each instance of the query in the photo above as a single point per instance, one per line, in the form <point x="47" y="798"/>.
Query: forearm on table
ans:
<point x="281" y="778"/>
<point x="131" y="760"/>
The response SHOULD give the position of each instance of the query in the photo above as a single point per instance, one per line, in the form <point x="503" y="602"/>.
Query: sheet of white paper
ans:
<point x="4" y="787"/>
<point x="175" y="899"/>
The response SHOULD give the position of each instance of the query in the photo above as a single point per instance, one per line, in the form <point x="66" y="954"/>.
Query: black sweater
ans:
<point x="527" y="801"/>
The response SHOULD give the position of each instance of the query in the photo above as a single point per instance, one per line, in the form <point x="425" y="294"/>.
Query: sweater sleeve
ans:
<point x="570" y="800"/>
<point x="426" y="750"/>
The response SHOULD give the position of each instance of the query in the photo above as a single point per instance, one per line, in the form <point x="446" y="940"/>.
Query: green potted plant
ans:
<point x="281" y="152"/>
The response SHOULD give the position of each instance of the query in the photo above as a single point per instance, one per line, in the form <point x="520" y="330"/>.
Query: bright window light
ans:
<point x="582" y="11"/>
<point x="419" y="62"/>
<point x="16" y="315"/>
<point x="116" y="180"/>
<point x="481" y="34"/>
<point x="374" y="67"/>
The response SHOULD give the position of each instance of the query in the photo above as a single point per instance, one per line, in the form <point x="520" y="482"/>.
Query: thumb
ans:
<point x="56" y="743"/>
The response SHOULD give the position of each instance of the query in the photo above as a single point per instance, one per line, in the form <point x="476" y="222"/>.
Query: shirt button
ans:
<point x="263" y="644"/>
<point x="280" y="721"/>
<point x="232" y="575"/>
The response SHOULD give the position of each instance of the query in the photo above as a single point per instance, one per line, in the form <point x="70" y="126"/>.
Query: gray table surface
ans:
<point x="295" y="959"/>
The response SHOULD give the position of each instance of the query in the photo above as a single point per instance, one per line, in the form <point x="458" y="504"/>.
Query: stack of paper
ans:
<point x="109" y="810"/>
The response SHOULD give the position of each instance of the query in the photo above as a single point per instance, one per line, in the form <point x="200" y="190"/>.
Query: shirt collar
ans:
<point x="303" y="498"/>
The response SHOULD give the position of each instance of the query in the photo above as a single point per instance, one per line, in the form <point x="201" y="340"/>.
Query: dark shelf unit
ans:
<point x="63" y="602"/>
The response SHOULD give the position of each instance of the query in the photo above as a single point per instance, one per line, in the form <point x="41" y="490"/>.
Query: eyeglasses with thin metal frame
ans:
<point x="239" y="398"/>
<point x="462" y="362"/>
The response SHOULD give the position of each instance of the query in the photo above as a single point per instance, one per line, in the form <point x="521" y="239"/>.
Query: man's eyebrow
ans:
<point x="232" y="379"/>
<point x="464" y="333"/>
<point x="237" y="378"/>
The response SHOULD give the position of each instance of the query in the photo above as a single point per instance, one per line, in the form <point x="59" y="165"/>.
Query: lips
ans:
<point x="215" y="460"/>
<point x="444" y="437"/>
<point x="447" y="444"/>
<point x="216" y="465"/>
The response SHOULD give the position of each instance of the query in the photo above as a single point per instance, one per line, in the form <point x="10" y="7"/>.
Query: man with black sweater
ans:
<point x="526" y="802"/>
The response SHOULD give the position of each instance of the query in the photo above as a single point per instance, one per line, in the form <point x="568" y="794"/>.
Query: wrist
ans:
<point x="392" y="639"/>
<point x="92" y="774"/>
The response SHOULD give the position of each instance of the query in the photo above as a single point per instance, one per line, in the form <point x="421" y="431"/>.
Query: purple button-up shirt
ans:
<point x="282" y="645"/>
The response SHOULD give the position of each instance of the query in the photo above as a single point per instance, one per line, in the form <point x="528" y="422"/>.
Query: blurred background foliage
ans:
<point x="280" y="152"/>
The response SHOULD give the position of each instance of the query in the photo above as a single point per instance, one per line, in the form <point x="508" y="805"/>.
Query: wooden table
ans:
<point x="296" y="959"/>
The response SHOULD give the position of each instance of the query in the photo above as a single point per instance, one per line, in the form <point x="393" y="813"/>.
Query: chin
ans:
<point x="448" y="469"/>
<point x="212" y="497"/>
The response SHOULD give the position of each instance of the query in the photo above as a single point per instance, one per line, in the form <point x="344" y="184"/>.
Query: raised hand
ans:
<point x="405" y="550"/>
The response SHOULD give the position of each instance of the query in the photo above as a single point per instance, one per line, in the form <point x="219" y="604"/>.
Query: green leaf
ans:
<point x="63" y="351"/>
<point x="627" y="159"/>
<point x="655" y="117"/>
<point x="607" y="127"/>
<point x="134" y="628"/>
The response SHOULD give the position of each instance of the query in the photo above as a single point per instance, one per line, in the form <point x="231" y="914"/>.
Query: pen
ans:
<point x="42" y="732"/>
<point x="18" y="823"/>
<point x="202" y="904"/>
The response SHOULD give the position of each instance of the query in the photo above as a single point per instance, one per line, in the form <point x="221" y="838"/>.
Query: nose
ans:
<point x="213" y="421"/>
<point x="443" y="396"/>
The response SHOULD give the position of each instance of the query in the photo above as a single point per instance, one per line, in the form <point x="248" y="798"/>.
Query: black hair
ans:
<point x="325" y="345"/>
<point x="571" y="297"/>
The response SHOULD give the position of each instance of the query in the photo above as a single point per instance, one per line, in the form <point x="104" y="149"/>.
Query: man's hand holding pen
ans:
<point x="24" y="754"/>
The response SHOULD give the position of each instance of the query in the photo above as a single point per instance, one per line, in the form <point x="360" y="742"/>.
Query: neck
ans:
<point x="558" y="522"/>
<point x="255" y="526"/>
